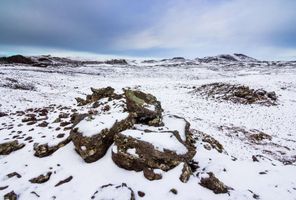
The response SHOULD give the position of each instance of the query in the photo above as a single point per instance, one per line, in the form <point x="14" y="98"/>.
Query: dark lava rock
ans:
<point x="2" y="114"/>
<point x="96" y="95"/>
<point x="63" y="124"/>
<point x="209" y="141"/>
<point x="10" y="175"/>
<point x="116" y="62"/>
<point x="10" y="196"/>
<point x="186" y="173"/>
<point x="146" y="106"/>
<point x="61" y="135"/>
<point x="43" y="124"/>
<point x="63" y="115"/>
<point x="18" y="59"/>
<point x="237" y="94"/>
<point x="29" y="118"/>
<point x="141" y="194"/>
<point x="41" y="178"/>
<point x="3" y="187"/>
<point x="64" y="181"/>
<point x="44" y="150"/>
<point x="111" y="191"/>
<point x="92" y="147"/>
<point x="151" y="175"/>
<point x="8" y="147"/>
<point x="174" y="191"/>
<point x="214" y="184"/>
<point x="132" y="151"/>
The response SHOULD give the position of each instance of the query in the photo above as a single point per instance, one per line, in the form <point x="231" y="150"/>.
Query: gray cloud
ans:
<point x="263" y="28"/>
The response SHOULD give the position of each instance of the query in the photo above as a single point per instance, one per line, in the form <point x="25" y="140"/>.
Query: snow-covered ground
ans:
<point x="173" y="84"/>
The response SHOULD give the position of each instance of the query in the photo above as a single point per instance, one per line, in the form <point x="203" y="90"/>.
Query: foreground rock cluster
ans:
<point x="143" y="138"/>
<point x="131" y="125"/>
<point x="237" y="94"/>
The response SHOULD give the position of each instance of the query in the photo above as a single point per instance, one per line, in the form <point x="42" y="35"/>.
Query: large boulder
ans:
<point x="146" y="147"/>
<point x="146" y="106"/>
<point x="94" y="134"/>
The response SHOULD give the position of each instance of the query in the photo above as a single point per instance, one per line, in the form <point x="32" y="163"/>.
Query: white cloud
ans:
<point x="199" y="27"/>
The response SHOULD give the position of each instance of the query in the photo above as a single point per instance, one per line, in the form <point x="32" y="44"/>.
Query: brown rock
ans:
<point x="186" y="173"/>
<point x="3" y="187"/>
<point x="151" y="175"/>
<point x="146" y="106"/>
<point x="10" y="175"/>
<point x="43" y="124"/>
<point x="141" y="194"/>
<point x="41" y="178"/>
<point x="64" y="181"/>
<point x="96" y="95"/>
<point x="44" y="150"/>
<point x="214" y="184"/>
<point x="91" y="148"/>
<point x="2" y="114"/>
<point x="8" y="147"/>
<point x="10" y="196"/>
<point x="174" y="191"/>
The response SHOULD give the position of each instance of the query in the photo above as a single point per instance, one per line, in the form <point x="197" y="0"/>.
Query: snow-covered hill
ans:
<point x="241" y="142"/>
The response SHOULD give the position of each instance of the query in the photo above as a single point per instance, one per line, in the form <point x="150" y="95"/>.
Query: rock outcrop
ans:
<point x="145" y="147"/>
<point x="237" y="94"/>
<point x="143" y="138"/>
<point x="16" y="59"/>
<point x="94" y="134"/>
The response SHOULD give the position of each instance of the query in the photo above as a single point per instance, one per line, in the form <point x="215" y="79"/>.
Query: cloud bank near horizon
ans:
<point x="263" y="29"/>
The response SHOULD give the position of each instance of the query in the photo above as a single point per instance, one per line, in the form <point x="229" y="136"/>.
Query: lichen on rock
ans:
<point x="8" y="147"/>
<point x="146" y="106"/>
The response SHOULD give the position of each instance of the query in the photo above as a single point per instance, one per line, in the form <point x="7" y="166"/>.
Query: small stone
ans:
<point x="10" y="175"/>
<point x="64" y="181"/>
<point x="151" y="175"/>
<point x="64" y="123"/>
<point x="3" y="187"/>
<point x="174" y="191"/>
<point x="141" y="194"/>
<point x="61" y="135"/>
<point x="63" y="115"/>
<point x="43" y="124"/>
<point x="41" y="178"/>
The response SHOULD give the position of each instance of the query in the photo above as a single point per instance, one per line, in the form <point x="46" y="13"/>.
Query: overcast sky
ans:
<point x="264" y="29"/>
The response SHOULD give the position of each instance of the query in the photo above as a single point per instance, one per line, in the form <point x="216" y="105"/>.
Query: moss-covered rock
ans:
<point x="146" y="147"/>
<point x="98" y="94"/>
<point x="146" y="106"/>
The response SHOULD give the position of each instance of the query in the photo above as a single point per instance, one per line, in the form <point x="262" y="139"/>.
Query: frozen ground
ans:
<point x="172" y="83"/>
